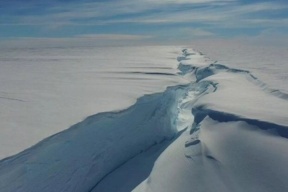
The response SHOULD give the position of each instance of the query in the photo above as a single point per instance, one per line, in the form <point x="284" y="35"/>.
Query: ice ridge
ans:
<point x="79" y="157"/>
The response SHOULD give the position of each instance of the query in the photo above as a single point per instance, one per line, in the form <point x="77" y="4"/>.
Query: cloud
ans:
<point x="272" y="32"/>
<point x="268" y="22"/>
<point x="108" y="16"/>
<point x="147" y="12"/>
<point x="80" y="40"/>
<point x="111" y="37"/>
<point x="198" y="32"/>
<point x="103" y="10"/>
<point x="187" y="1"/>
<point x="230" y="14"/>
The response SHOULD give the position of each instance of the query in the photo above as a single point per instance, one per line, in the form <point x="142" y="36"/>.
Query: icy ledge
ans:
<point x="81" y="156"/>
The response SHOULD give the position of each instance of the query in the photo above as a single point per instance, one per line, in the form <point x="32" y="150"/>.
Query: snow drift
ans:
<point x="223" y="131"/>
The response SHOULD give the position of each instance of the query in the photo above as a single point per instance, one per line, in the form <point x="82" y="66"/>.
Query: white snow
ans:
<point x="266" y="62"/>
<point x="234" y="144"/>
<point x="46" y="90"/>
<point x="245" y="99"/>
<point x="215" y="128"/>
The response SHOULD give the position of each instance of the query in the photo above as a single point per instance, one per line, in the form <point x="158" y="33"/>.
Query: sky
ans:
<point x="142" y="20"/>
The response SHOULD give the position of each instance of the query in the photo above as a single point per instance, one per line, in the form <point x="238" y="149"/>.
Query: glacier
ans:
<point x="218" y="128"/>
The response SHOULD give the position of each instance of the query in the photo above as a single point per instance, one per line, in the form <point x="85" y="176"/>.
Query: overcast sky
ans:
<point x="149" y="20"/>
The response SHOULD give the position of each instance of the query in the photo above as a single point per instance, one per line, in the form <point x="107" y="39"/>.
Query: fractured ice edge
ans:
<point x="224" y="131"/>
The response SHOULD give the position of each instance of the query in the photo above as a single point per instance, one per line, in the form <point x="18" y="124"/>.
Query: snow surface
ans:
<point x="267" y="62"/>
<point x="215" y="128"/>
<point x="46" y="90"/>
<point x="238" y="141"/>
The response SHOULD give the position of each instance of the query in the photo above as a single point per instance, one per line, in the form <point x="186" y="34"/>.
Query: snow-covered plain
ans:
<point x="46" y="90"/>
<point x="267" y="62"/>
<point x="197" y="125"/>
